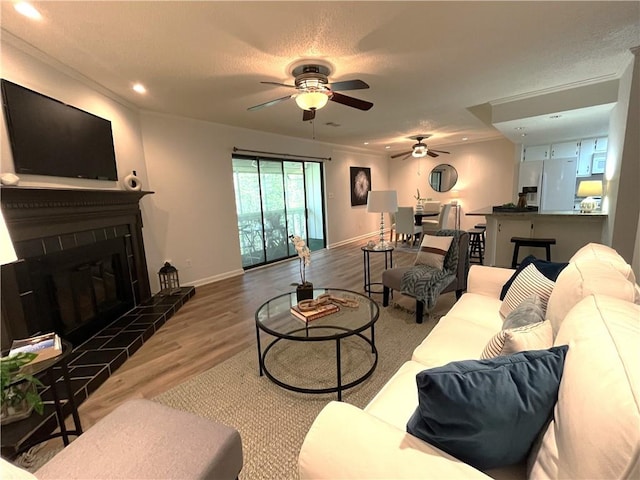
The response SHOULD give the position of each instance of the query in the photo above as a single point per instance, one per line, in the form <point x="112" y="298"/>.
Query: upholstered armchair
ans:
<point x="425" y="282"/>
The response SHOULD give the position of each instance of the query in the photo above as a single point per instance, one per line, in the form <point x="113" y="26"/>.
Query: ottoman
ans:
<point x="144" y="439"/>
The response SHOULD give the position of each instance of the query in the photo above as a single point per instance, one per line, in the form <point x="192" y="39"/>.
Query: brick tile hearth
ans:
<point x="92" y="362"/>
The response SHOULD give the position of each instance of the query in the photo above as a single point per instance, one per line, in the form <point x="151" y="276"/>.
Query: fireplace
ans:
<point x="81" y="290"/>
<point x="82" y="261"/>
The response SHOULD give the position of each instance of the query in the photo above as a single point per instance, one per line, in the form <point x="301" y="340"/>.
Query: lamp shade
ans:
<point x="7" y="252"/>
<point x="380" y="201"/>
<point x="590" y="188"/>
<point x="312" y="100"/>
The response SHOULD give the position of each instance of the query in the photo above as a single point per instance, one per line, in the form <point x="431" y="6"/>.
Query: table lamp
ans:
<point x="382" y="201"/>
<point x="7" y="252"/>
<point x="589" y="189"/>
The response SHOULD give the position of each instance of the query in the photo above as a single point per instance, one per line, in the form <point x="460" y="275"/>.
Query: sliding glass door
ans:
<point x="275" y="199"/>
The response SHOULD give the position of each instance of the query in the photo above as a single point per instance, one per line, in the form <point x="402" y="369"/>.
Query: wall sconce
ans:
<point x="169" y="281"/>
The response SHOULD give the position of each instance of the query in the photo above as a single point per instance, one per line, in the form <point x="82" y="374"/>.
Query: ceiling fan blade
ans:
<point x="268" y="104"/>
<point x="439" y="151"/>
<point x="350" y="101"/>
<point x="308" y="115"/>
<point x="401" y="154"/>
<point x="348" y="85"/>
<point x="431" y="153"/>
<point x="279" y="84"/>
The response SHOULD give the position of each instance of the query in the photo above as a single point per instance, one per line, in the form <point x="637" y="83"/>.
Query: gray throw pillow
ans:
<point x="529" y="311"/>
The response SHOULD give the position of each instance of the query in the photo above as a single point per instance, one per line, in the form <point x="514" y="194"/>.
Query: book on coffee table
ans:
<point x="318" y="312"/>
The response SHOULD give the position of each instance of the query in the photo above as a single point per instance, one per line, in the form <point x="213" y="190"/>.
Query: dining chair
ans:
<point x="441" y="224"/>
<point x="405" y="225"/>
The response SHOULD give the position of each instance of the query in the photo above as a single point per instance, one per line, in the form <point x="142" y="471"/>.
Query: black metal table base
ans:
<point x="339" y="388"/>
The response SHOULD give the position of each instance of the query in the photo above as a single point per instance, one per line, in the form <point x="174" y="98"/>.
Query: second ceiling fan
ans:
<point x="313" y="91"/>
<point x="419" y="150"/>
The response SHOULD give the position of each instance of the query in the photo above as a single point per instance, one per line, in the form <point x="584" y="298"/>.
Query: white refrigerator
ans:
<point x="555" y="182"/>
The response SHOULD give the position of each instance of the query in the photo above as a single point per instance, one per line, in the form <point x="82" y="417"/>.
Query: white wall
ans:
<point x="194" y="216"/>
<point x="54" y="81"/>
<point x="486" y="174"/>
<point x="623" y="164"/>
<point x="188" y="164"/>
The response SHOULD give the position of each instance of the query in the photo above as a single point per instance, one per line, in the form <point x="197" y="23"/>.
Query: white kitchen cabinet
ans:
<point x="565" y="149"/>
<point x="536" y="152"/>
<point x="601" y="144"/>
<point x="587" y="149"/>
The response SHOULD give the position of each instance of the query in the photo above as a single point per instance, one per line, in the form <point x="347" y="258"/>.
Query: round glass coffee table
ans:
<point x="274" y="318"/>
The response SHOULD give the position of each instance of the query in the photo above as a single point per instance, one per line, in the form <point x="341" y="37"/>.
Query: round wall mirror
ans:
<point x="443" y="177"/>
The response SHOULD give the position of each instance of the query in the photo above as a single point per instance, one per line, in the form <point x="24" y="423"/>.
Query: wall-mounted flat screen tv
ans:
<point x="49" y="137"/>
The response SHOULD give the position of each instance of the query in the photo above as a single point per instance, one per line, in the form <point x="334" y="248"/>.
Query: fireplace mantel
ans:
<point x="49" y="220"/>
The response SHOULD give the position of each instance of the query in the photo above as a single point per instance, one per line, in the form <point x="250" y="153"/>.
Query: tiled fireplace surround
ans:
<point x="48" y="221"/>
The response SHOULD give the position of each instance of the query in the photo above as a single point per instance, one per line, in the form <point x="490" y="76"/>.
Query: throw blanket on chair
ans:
<point x="425" y="283"/>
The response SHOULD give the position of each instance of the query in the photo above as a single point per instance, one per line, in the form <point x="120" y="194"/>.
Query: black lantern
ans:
<point x="169" y="282"/>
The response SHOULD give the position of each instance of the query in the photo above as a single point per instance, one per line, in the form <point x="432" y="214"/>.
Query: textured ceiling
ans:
<point x="429" y="64"/>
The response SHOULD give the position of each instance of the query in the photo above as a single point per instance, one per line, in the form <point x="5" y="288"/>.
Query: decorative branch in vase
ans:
<point x="304" y="289"/>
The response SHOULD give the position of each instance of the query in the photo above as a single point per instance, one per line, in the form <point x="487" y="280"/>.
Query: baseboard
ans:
<point x="216" y="278"/>
<point x="358" y="238"/>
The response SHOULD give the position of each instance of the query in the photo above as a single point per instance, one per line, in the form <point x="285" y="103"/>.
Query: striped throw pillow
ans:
<point x="536" y="336"/>
<point x="433" y="249"/>
<point x="528" y="283"/>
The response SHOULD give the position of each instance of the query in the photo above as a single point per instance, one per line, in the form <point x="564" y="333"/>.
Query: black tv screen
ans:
<point x="48" y="137"/>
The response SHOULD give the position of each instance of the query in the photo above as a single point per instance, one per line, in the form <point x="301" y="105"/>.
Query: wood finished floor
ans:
<point x="218" y="322"/>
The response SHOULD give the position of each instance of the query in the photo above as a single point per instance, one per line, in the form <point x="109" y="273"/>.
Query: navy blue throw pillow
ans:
<point x="488" y="413"/>
<point x="551" y="270"/>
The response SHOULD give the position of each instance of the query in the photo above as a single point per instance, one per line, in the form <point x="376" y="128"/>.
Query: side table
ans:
<point x="388" y="262"/>
<point x="19" y="436"/>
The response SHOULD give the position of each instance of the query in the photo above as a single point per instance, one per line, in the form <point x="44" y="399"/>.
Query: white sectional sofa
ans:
<point x="595" y="428"/>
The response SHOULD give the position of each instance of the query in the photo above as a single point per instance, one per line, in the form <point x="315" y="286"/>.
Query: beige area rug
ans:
<point x="273" y="421"/>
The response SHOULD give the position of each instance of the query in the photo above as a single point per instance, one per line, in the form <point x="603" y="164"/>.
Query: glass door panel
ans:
<point x="275" y="199"/>
<point x="315" y="206"/>
<point x="295" y="200"/>
<point x="273" y="210"/>
<point x="249" y="209"/>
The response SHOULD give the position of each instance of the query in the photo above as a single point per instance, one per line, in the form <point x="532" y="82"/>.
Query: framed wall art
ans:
<point x="360" y="185"/>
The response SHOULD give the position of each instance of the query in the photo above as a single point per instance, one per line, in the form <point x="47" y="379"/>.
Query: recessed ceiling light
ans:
<point x="388" y="147"/>
<point x="464" y="139"/>
<point x="138" y="87"/>
<point x="366" y="143"/>
<point x="27" y="10"/>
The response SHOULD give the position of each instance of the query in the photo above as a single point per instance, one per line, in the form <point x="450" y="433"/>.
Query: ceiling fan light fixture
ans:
<point x="419" y="151"/>
<point x="314" y="100"/>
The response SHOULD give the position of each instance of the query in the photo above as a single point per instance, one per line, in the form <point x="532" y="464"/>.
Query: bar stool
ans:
<point x="531" y="242"/>
<point x="476" y="245"/>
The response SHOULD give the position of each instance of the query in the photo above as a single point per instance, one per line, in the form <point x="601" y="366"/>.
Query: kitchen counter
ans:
<point x="571" y="229"/>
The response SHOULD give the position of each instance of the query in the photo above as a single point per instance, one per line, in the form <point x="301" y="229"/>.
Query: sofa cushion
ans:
<point x="536" y="336"/>
<point x="9" y="471"/>
<point x="529" y="282"/>
<point x="597" y="251"/>
<point x="488" y="412"/>
<point x="551" y="270"/>
<point x="457" y="338"/>
<point x="582" y="278"/>
<point x="529" y="311"/>
<point x="397" y="400"/>
<point x="595" y="432"/>
<point x="433" y="249"/>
